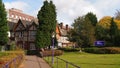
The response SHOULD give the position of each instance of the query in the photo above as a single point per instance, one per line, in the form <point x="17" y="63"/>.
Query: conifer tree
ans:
<point x="3" y="25"/>
<point x="47" y="24"/>
<point x="113" y="31"/>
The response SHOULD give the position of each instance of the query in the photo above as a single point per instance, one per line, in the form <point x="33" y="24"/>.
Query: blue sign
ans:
<point x="99" y="43"/>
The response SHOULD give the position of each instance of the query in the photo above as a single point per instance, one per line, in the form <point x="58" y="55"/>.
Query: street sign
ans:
<point x="99" y="43"/>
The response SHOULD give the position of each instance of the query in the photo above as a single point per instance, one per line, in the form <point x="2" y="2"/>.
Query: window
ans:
<point x="32" y="46"/>
<point x="12" y="16"/>
<point x="21" y="34"/>
<point x="23" y="18"/>
<point x="16" y="16"/>
<point x="26" y="19"/>
<point x="32" y="32"/>
<point x="20" y="17"/>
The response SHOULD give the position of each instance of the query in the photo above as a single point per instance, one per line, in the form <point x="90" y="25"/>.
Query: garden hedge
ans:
<point x="104" y="50"/>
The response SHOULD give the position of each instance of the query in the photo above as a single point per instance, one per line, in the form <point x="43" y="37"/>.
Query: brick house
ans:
<point x="13" y="15"/>
<point x="61" y="35"/>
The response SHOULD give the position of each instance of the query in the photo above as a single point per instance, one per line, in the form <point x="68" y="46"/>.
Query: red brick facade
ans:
<point x="14" y="15"/>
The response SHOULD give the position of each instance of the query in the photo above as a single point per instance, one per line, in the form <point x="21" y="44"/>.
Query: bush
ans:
<point x="32" y="52"/>
<point x="104" y="50"/>
<point x="50" y="53"/>
<point x="69" y="49"/>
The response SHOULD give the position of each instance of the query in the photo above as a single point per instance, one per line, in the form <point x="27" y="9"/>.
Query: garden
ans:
<point x="11" y="59"/>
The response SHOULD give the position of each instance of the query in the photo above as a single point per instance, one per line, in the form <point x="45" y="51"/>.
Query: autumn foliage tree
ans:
<point x="108" y="31"/>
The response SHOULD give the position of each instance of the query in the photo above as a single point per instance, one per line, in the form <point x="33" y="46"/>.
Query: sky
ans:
<point x="68" y="10"/>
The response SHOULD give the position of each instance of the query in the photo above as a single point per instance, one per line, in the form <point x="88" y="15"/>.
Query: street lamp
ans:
<point x="53" y="36"/>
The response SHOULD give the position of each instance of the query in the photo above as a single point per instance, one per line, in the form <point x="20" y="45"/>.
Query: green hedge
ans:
<point x="32" y="52"/>
<point x="50" y="53"/>
<point x="104" y="50"/>
<point x="70" y="49"/>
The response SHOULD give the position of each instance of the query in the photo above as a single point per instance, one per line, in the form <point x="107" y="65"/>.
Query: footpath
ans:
<point x="34" y="62"/>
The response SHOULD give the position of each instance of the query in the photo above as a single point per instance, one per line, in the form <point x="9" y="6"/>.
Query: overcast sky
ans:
<point x="68" y="10"/>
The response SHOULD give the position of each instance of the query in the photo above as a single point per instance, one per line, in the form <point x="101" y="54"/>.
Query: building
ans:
<point x="23" y="29"/>
<point x="61" y="34"/>
<point x="23" y="33"/>
<point x="13" y="15"/>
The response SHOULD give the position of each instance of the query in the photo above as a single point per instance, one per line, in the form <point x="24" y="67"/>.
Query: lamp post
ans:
<point x="53" y="36"/>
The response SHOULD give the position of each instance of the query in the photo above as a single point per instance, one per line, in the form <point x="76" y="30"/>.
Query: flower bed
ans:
<point x="50" y="53"/>
<point x="11" y="59"/>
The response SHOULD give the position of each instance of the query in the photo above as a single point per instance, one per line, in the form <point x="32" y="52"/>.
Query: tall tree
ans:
<point x="113" y="30"/>
<point x="47" y="24"/>
<point x="3" y="25"/>
<point x="92" y="17"/>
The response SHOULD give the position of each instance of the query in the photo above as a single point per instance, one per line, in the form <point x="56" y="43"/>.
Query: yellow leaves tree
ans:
<point x="105" y="22"/>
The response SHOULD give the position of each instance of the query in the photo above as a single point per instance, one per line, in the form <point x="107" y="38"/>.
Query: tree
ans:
<point x="92" y="17"/>
<point x="82" y="32"/>
<point x="74" y="33"/>
<point x="92" y="21"/>
<point x="107" y="30"/>
<point x="47" y="24"/>
<point x="113" y="30"/>
<point x="117" y="15"/>
<point x="3" y="25"/>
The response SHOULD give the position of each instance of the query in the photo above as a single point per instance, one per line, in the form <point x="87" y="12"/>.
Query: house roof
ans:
<point x="26" y="24"/>
<point x="11" y="25"/>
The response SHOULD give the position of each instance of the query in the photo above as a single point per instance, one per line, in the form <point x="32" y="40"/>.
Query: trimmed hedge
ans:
<point x="70" y="49"/>
<point x="104" y="50"/>
<point x="50" y="53"/>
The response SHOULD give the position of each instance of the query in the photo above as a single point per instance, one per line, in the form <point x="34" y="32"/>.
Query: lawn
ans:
<point x="87" y="60"/>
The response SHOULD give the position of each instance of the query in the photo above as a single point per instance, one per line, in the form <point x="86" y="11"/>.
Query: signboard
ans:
<point x="99" y="43"/>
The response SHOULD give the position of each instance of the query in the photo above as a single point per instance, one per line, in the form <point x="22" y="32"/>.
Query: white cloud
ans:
<point x="17" y="4"/>
<point x="69" y="10"/>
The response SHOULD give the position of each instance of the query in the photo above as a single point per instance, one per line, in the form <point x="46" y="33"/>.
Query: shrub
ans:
<point x="32" y="52"/>
<point x="50" y="53"/>
<point x="104" y="50"/>
<point x="70" y="49"/>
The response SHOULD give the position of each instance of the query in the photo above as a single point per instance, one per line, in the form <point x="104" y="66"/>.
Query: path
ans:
<point x="34" y="62"/>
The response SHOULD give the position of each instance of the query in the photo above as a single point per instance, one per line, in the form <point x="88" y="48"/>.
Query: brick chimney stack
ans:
<point x="61" y="25"/>
<point x="67" y="27"/>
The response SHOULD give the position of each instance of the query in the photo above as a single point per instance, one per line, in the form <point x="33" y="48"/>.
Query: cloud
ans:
<point x="17" y="4"/>
<point x="69" y="10"/>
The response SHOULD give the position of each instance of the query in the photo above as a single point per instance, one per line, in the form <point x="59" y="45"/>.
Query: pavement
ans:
<point x="34" y="62"/>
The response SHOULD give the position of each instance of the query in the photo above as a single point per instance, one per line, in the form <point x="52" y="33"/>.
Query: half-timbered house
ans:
<point x="25" y="33"/>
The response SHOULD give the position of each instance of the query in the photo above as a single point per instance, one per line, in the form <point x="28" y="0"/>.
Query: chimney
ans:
<point x="66" y="26"/>
<point x="61" y="25"/>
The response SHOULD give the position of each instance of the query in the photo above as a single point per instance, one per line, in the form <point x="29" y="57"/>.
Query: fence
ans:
<point x="59" y="63"/>
<point x="14" y="63"/>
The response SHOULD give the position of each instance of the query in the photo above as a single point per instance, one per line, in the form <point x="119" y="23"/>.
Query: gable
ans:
<point x="33" y="27"/>
<point x="19" y="26"/>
